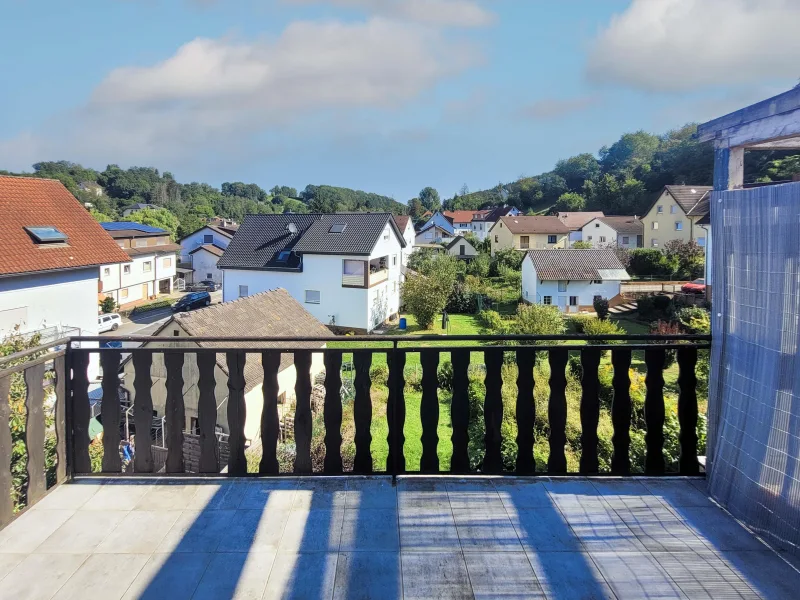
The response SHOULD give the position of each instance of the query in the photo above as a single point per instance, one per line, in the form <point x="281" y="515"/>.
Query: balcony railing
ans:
<point x="378" y="276"/>
<point x="71" y="418"/>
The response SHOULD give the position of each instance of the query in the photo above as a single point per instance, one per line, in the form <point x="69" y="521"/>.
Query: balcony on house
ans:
<point x="446" y="523"/>
<point x="363" y="273"/>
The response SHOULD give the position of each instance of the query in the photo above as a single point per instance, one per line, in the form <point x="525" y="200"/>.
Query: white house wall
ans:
<point x="192" y="241"/>
<point x="481" y="229"/>
<point x="114" y="279"/>
<point x="534" y="291"/>
<point x="600" y="235"/>
<point x="205" y="266"/>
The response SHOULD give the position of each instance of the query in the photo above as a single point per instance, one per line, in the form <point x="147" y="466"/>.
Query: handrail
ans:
<point x="34" y="350"/>
<point x="50" y="356"/>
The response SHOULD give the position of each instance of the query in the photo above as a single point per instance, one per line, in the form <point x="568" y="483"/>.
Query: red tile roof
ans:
<point x="402" y="221"/>
<point x="29" y="202"/>
<point x="460" y="216"/>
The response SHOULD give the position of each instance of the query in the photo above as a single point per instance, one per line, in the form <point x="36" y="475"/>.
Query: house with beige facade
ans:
<point x="528" y="233"/>
<point x="675" y="215"/>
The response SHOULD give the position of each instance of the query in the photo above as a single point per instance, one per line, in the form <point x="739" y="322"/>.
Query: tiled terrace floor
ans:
<point x="363" y="538"/>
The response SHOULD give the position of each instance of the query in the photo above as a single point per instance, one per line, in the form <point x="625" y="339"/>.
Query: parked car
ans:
<point x="108" y="322"/>
<point x="207" y="285"/>
<point x="193" y="300"/>
<point x="698" y="286"/>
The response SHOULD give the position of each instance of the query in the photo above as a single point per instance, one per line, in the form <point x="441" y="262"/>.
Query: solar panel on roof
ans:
<point x="123" y="225"/>
<point x="337" y="228"/>
<point x="46" y="235"/>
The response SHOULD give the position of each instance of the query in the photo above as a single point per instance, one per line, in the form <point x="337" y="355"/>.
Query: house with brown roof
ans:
<point x="50" y="256"/>
<point x="674" y="215"/>
<point x="575" y="221"/>
<point x="484" y="220"/>
<point x="524" y="233"/>
<point x="622" y="232"/>
<point x="200" y="251"/>
<point x="406" y="227"/>
<point x="572" y="278"/>
<point x="151" y="266"/>
<point x="267" y="314"/>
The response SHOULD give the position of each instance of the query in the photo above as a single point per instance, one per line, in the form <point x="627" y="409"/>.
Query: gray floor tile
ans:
<point x="371" y="492"/>
<point x="678" y="493"/>
<point x="373" y="529"/>
<point x="302" y="576"/>
<point x="486" y="531"/>
<point x="275" y="494"/>
<point x="312" y="531"/>
<point x="625" y="493"/>
<point x="635" y="575"/>
<point x="218" y="496"/>
<point x="103" y="577"/>
<point x="139" y="532"/>
<point x="82" y="532"/>
<point x="8" y="562"/>
<point x="428" y="532"/>
<point x="601" y="530"/>
<point x="442" y="575"/>
<point x="235" y="576"/>
<point x="114" y="495"/>
<point x="766" y="573"/>
<point x="704" y="575"/>
<point x="254" y="531"/>
<point x="27" y="531"/>
<point x="522" y="493"/>
<point x="320" y="494"/>
<point x="544" y="530"/>
<point x="506" y="575"/>
<point x="196" y="531"/>
<point x="422" y="494"/>
<point x="571" y="491"/>
<point x="569" y="576"/>
<point x="171" y="496"/>
<point x="368" y="575"/>
<point x="39" y="576"/>
<point x="68" y="496"/>
<point x="473" y="494"/>
<point x="659" y="530"/>
<point x="173" y="576"/>
<point x="718" y="530"/>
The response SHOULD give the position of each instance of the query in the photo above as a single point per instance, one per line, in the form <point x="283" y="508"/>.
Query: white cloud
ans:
<point x="679" y="45"/>
<point x="222" y="95"/>
<point x="453" y="13"/>
<point x="555" y="108"/>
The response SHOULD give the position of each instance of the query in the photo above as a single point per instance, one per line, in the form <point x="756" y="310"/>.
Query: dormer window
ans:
<point x="283" y="256"/>
<point x="46" y="235"/>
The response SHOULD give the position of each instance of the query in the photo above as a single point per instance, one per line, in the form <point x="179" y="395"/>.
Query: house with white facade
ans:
<point x="484" y="220"/>
<point x="571" y="278"/>
<point x="50" y="256"/>
<point x="624" y="232"/>
<point x="576" y="221"/>
<point x="267" y="314"/>
<point x="151" y="265"/>
<point x="406" y="227"/>
<point x="436" y="230"/>
<point x="461" y="220"/>
<point x="461" y="248"/>
<point x="344" y="268"/>
<point x="201" y="250"/>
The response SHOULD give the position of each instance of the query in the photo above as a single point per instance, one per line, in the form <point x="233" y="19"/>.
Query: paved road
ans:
<point x="147" y="323"/>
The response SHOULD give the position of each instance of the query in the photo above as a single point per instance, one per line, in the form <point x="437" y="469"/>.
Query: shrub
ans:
<point x="444" y="376"/>
<point x="694" y="319"/>
<point x="601" y="327"/>
<point x="413" y="379"/>
<point x="539" y="319"/>
<point x="649" y="262"/>
<point x="601" y="307"/>
<point x="655" y="308"/>
<point x="461" y="300"/>
<point x="379" y="374"/>
<point x="425" y="295"/>
<point x="666" y="328"/>
<point x="507" y="257"/>
<point x="575" y="323"/>
<point x="108" y="305"/>
<point x="479" y="266"/>
<point x="491" y="321"/>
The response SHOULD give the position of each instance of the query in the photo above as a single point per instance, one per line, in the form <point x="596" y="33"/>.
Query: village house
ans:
<point x="576" y="221"/>
<point x="624" y="232"/>
<point x="674" y="215"/>
<point x="344" y="268"/>
<point x="483" y="220"/>
<point x="406" y="227"/>
<point x="200" y="251"/>
<point x="523" y="233"/>
<point x="571" y="279"/>
<point x="435" y="230"/>
<point x="461" y="248"/>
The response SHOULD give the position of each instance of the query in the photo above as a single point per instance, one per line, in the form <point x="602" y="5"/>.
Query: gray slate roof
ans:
<point x="574" y="264"/>
<point x="687" y="196"/>
<point x="624" y="225"/>
<point x="261" y="238"/>
<point x="457" y="240"/>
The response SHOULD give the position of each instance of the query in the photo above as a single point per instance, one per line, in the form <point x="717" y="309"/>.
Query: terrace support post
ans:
<point x="728" y="167"/>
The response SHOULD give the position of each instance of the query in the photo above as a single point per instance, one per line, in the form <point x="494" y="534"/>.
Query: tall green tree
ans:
<point x="578" y="169"/>
<point x="156" y="217"/>
<point x="570" y="202"/>
<point x="430" y="199"/>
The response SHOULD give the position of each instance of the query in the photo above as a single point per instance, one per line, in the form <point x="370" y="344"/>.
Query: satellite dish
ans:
<point x="291" y="228"/>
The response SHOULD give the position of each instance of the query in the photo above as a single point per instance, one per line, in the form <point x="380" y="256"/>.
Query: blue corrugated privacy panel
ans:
<point x="120" y="225"/>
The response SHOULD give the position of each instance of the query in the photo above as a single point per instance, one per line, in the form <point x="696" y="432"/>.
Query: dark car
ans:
<point x="190" y="301"/>
<point x="207" y="285"/>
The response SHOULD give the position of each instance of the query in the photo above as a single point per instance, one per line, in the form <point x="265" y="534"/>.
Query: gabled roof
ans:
<point x="701" y="208"/>
<point x="500" y="211"/>
<point x="402" y="221"/>
<point x="687" y="196"/>
<point x="441" y="221"/>
<point x="525" y="225"/>
<point x="460" y="216"/>
<point x="32" y="202"/>
<point x="226" y="232"/>
<point x="458" y="239"/>
<point x="213" y="249"/>
<point x="625" y="225"/>
<point x="159" y="249"/>
<point x="576" y="220"/>
<point x="575" y="264"/>
<point x="261" y="239"/>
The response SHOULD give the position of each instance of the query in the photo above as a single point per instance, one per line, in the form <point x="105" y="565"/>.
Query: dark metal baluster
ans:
<point x="6" y="444"/>
<point x="237" y="413"/>
<point x="590" y="409"/>
<point x="207" y="413"/>
<point x="110" y="412"/>
<point x="396" y="412"/>
<point x="34" y="433"/>
<point x="80" y="413"/>
<point x="557" y="411"/>
<point x="59" y="366"/>
<point x="143" y="411"/>
<point x="459" y="411"/>
<point x="493" y="412"/>
<point x="687" y="410"/>
<point x="654" y="411"/>
<point x="302" y="412"/>
<point x="621" y="411"/>
<point x="429" y="411"/>
<point x="526" y="412"/>
<point x="174" y="411"/>
<point x="362" y="411"/>
<point x="332" y="412"/>
<point x="270" y="424"/>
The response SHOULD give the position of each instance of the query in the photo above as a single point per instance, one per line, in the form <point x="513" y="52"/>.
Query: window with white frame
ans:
<point x="625" y="240"/>
<point x="106" y="271"/>
<point x="654" y="243"/>
<point x="312" y="296"/>
<point x="673" y="209"/>
<point x="147" y="266"/>
<point x="660" y="209"/>
<point x="126" y="269"/>
<point x="167" y="262"/>
<point x="562" y="286"/>
<point x="655" y="225"/>
<point x="678" y="225"/>
<point x="243" y="291"/>
<point x="551" y="239"/>
<point x="123" y="293"/>
<point x="548" y="300"/>
<point x="602" y="239"/>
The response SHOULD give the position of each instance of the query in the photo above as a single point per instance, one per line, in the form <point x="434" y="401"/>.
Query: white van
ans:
<point x="109" y="322"/>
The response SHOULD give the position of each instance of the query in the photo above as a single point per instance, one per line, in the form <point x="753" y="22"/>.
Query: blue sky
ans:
<point x="382" y="95"/>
